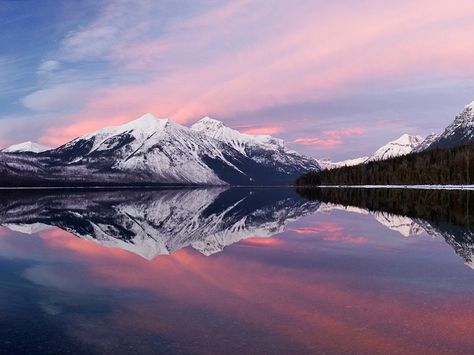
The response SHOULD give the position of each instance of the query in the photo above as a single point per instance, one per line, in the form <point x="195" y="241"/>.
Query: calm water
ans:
<point x="234" y="271"/>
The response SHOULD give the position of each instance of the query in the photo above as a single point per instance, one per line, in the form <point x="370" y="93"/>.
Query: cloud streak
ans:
<point x="331" y="138"/>
<point x="235" y="57"/>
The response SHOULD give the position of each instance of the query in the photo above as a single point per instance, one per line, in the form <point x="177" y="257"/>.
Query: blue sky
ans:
<point x="333" y="79"/>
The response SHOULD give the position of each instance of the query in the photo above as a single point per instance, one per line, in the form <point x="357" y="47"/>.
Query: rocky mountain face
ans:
<point x="460" y="132"/>
<point x="158" y="151"/>
<point x="263" y="149"/>
<point x="429" y="140"/>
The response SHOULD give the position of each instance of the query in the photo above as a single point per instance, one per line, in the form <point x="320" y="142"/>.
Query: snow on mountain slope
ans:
<point x="239" y="141"/>
<point x="27" y="228"/>
<point x="26" y="147"/>
<point x="460" y="132"/>
<point x="152" y="150"/>
<point x="428" y="141"/>
<point x="403" y="225"/>
<point x="401" y="146"/>
<point x="328" y="164"/>
<point x="159" y="149"/>
<point x="263" y="149"/>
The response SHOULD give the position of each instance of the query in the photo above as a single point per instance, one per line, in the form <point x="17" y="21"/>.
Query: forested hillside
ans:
<point x="437" y="166"/>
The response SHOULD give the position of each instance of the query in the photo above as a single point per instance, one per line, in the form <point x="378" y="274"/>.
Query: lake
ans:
<point x="238" y="270"/>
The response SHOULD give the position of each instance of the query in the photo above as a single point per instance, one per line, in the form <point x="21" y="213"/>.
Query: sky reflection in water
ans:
<point x="333" y="281"/>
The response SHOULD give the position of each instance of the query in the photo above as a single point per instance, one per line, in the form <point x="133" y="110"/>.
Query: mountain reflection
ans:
<point x="159" y="222"/>
<point x="156" y="222"/>
<point x="439" y="213"/>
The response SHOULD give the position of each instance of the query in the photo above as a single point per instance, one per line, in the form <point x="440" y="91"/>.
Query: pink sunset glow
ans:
<point x="238" y="59"/>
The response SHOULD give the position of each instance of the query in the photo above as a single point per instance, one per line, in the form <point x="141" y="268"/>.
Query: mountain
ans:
<point x="263" y="149"/>
<point x="429" y="140"/>
<point x="329" y="164"/>
<point x="158" y="222"/>
<point x="460" y="132"/>
<point x="151" y="151"/>
<point x="26" y="147"/>
<point x="401" y="146"/>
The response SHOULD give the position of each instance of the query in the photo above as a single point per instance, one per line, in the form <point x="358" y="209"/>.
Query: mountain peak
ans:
<point x="459" y="132"/>
<point x="147" y="121"/>
<point x="409" y="139"/>
<point x="146" y="124"/>
<point x="208" y="123"/>
<point x="405" y="144"/>
<point x="469" y="106"/>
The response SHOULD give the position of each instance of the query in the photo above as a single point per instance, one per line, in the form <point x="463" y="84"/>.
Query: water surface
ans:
<point x="235" y="270"/>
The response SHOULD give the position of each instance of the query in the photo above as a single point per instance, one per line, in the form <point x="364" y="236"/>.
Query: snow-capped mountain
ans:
<point x="26" y="147"/>
<point x="460" y="132"/>
<point x="149" y="150"/>
<point x="401" y="146"/>
<point x="157" y="148"/>
<point x="263" y="149"/>
<point x="156" y="222"/>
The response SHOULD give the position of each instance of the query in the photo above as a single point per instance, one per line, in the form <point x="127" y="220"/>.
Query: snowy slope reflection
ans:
<point x="156" y="222"/>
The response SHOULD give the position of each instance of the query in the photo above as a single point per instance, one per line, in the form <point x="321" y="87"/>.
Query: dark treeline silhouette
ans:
<point x="438" y="166"/>
<point x="439" y="207"/>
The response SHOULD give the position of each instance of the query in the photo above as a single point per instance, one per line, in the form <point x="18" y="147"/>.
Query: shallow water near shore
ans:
<point x="253" y="270"/>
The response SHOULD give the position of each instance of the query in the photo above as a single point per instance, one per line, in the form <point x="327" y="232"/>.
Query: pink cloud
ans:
<point x="320" y="228"/>
<point x="331" y="232"/>
<point x="346" y="132"/>
<point x="330" y="138"/>
<point x="266" y="55"/>
<point x="263" y="130"/>
<point x="349" y="239"/>
<point x="321" y="142"/>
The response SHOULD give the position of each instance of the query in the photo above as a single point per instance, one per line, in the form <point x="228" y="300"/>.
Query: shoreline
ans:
<point x="414" y="187"/>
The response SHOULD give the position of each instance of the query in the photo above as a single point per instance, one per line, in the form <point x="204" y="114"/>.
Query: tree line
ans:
<point x="438" y="207"/>
<point x="432" y="167"/>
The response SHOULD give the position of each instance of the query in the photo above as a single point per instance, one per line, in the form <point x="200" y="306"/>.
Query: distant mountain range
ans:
<point x="460" y="132"/>
<point x="401" y="146"/>
<point x="152" y="151"/>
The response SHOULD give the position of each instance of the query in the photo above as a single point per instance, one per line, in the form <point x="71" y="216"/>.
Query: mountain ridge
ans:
<point x="149" y="150"/>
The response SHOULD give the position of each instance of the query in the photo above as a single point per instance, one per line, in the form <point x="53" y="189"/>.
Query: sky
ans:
<point x="333" y="79"/>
